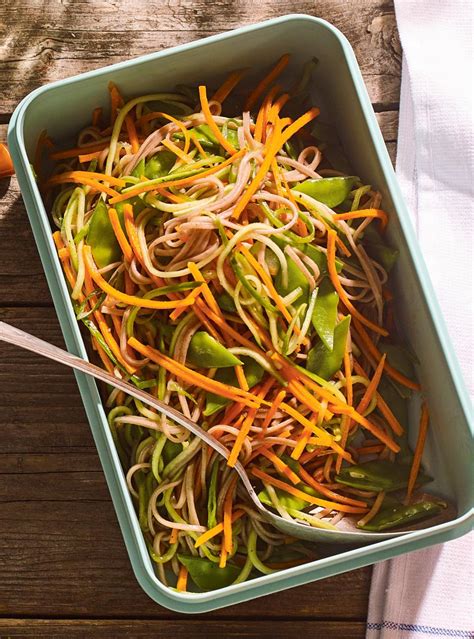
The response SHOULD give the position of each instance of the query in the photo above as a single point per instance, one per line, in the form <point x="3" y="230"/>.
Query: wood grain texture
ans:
<point x="54" y="40"/>
<point x="71" y="629"/>
<point x="64" y="571"/>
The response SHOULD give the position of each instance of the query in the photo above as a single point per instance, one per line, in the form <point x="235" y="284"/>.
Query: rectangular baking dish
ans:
<point x="64" y="107"/>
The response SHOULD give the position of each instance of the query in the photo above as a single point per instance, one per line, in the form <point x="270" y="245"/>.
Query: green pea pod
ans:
<point x="206" y="352"/>
<point x="159" y="165"/>
<point x="226" y="303"/>
<point x="139" y="170"/>
<point x="323" y="362"/>
<point x="325" y="313"/>
<point x="287" y="500"/>
<point x="378" y="475"/>
<point x="170" y="451"/>
<point x="212" y="496"/>
<point x="330" y="191"/>
<point x="207" y="139"/>
<point x="101" y="237"/>
<point x="253" y="374"/>
<point x="296" y="278"/>
<point x="396" y="514"/>
<point x="206" y="574"/>
<point x="378" y="249"/>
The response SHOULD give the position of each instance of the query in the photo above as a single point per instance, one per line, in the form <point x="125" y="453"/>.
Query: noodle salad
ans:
<point x="222" y="255"/>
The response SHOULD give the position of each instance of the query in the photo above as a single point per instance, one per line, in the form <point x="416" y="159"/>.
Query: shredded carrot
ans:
<point x="116" y="102"/>
<point x="212" y="123"/>
<point x="132" y="232"/>
<point x="123" y="297"/>
<point x="132" y="133"/>
<point x="56" y="179"/>
<point x="266" y="81"/>
<point x="301" y="444"/>
<point x="281" y="466"/>
<point x="228" y="86"/>
<point x="369" y="450"/>
<point x="374" y="510"/>
<point x="182" y="579"/>
<point x="174" y="148"/>
<point x="390" y="418"/>
<point x="420" y="445"/>
<point x="274" y="144"/>
<point x="261" y="123"/>
<point x="146" y="186"/>
<point x="331" y="505"/>
<point x="120" y="235"/>
<point x="223" y="555"/>
<point x="206" y="291"/>
<point x="243" y="432"/>
<point x="242" y="380"/>
<point x="331" y="259"/>
<point x="370" y="426"/>
<point x="375" y="353"/>
<point x="194" y="378"/>
<point x="324" y="490"/>
<point x="271" y="412"/>
<point x="86" y="181"/>
<point x="372" y="387"/>
<point x="197" y="144"/>
<point x="79" y="150"/>
<point x="174" y="536"/>
<point x="87" y="157"/>
<point x="192" y="296"/>
<point x="375" y="213"/>
<point x="216" y="530"/>
<point x="227" y="522"/>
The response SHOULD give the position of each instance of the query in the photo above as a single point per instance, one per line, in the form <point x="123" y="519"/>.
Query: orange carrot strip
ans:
<point x="174" y="148"/>
<point x="194" y="378"/>
<point x="228" y="85"/>
<point x="174" y="536"/>
<point x="192" y="296"/>
<point x="123" y="297"/>
<point x="197" y="144"/>
<point x="239" y="372"/>
<point x="372" y="428"/>
<point x="216" y="530"/>
<point x="243" y="432"/>
<point x="145" y="186"/>
<point x="69" y="177"/>
<point x="227" y="522"/>
<point x="212" y="123"/>
<point x="96" y="115"/>
<point x="271" y="411"/>
<point x="331" y="257"/>
<point x="281" y="466"/>
<point x="182" y="579"/>
<point x="132" y="133"/>
<point x="206" y="291"/>
<point x="274" y="144"/>
<point x="87" y="157"/>
<point x="372" y="387"/>
<point x="352" y="215"/>
<point x="374" y="351"/>
<point x="116" y="101"/>
<point x="87" y="174"/>
<point x="86" y="148"/>
<point x="331" y="505"/>
<point x="266" y="81"/>
<point x="120" y="235"/>
<point x="132" y="232"/>
<point x="327" y="491"/>
<point x="420" y="444"/>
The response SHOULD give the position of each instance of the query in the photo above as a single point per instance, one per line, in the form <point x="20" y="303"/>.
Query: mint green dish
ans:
<point x="64" y="107"/>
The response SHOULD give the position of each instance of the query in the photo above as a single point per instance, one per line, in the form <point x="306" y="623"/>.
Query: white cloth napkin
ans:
<point x="429" y="593"/>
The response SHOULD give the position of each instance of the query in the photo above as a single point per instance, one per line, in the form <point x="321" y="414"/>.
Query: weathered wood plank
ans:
<point x="55" y="40"/>
<point x="184" y="628"/>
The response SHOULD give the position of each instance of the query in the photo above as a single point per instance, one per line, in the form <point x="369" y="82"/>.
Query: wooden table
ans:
<point x="64" y="571"/>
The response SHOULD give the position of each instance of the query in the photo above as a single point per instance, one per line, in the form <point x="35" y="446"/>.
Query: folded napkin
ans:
<point x="429" y="593"/>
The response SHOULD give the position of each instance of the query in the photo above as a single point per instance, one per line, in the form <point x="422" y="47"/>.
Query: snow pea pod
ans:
<point x="330" y="191"/>
<point x="286" y="500"/>
<point x="253" y="374"/>
<point x="325" y="313"/>
<point x="101" y="237"/>
<point x="206" y="352"/>
<point x="206" y="137"/>
<point x="378" y="249"/>
<point x="206" y="574"/>
<point x="378" y="475"/>
<point x="394" y="513"/>
<point x="226" y="303"/>
<point x="325" y="362"/>
<point x="296" y="279"/>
